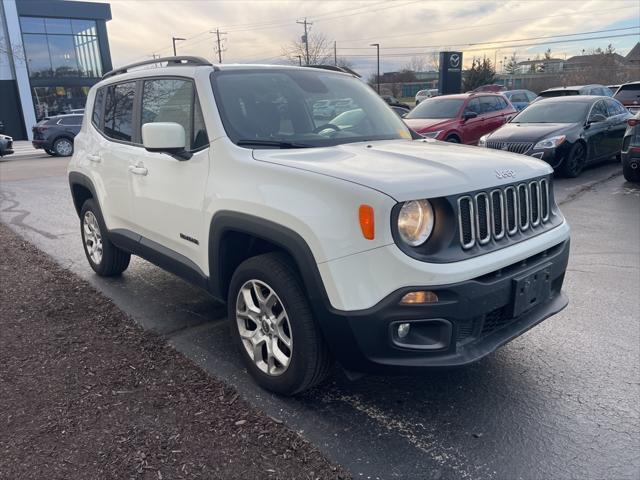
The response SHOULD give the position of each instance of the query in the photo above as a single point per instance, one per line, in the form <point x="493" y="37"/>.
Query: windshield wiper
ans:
<point x="271" y="143"/>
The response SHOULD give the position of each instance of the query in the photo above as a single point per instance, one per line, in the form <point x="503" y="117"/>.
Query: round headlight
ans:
<point x="415" y="222"/>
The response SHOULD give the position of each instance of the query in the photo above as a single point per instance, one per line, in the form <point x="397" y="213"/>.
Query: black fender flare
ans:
<point x="226" y="221"/>
<point x="76" y="178"/>
<point x="335" y="329"/>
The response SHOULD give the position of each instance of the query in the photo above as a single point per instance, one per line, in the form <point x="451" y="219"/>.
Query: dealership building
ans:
<point x="51" y="53"/>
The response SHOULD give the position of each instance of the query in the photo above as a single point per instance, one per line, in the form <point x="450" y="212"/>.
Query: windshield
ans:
<point x="301" y="108"/>
<point x="553" y="112"/>
<point x="437" y="108"/>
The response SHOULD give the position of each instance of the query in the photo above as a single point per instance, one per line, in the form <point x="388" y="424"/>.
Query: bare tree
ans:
<point x="547" y="54"/>
<point x="15" y="52"/>
<point x="423" y="63"/>
<point x="320" y="52"/>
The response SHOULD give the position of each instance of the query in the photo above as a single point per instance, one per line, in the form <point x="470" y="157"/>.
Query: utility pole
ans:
<point x="300" y="59"/>
<point x="305" y="38"/>
<point x="335" y="54"/>
<point x="174" y="39"/>
<point x="377" y="45"/>
<point x="220" y="49"/>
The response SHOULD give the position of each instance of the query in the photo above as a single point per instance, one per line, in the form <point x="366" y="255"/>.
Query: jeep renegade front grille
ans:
<point x="491" y="215"/>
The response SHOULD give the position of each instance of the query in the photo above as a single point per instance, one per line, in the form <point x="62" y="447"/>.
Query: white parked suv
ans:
<point x="360" y="243"/>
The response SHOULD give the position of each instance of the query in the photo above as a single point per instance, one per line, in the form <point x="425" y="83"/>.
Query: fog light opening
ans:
<point x="403" y="330"/>
<point x="421" y="296"/>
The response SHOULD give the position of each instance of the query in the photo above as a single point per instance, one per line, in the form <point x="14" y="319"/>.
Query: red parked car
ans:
<point x="461" y="118"/>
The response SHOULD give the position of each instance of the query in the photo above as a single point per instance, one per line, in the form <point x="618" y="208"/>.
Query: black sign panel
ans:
<point x="450" y="73"/>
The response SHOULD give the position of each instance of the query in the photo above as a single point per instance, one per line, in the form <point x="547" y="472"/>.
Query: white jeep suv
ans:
<point x="357" y="243"/>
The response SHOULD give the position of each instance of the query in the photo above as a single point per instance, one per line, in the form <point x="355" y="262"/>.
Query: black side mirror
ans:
<point x="469" y="115"/>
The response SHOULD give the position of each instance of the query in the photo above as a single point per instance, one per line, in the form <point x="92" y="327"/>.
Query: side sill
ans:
<point x="160" y="255"/>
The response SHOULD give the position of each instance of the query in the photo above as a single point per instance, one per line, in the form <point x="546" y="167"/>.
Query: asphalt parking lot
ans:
<point x="559" y="402"/>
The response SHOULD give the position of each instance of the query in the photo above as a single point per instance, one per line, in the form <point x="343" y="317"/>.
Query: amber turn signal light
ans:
<point x="413" y="298"/>
<point x="367" y="224"/>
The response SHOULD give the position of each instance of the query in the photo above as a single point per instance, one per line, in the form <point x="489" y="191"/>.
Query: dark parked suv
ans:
<point x="55" y="134"/>
<point x="631" y="150"/>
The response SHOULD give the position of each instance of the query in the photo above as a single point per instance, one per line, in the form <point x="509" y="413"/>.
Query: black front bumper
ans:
<point x="471" y="319"/>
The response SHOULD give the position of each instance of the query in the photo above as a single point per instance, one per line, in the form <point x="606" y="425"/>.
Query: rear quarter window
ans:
<point x="98" y="108"/>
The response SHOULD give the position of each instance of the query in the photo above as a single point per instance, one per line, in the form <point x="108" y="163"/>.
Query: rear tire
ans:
<point x="63" y="147"/>
<point x="104" y="257"/>
<point x="574" y="163"/>
<point x="273" y="327"/>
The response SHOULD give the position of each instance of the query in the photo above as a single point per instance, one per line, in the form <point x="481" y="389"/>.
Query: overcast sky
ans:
<point x="259" y="30"/>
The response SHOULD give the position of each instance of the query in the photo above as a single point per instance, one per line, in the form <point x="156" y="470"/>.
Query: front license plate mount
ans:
<point x="531" y="289"/>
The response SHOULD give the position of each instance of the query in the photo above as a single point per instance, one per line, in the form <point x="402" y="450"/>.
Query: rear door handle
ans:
<point x="138" y="170"/>
<point x="94" y="158"/>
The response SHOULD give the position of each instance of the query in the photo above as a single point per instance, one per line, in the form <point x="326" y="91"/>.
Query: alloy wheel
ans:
<point x="64" y="147"/>
<point x="264" y="327"/>
<point x="92" y="237"/>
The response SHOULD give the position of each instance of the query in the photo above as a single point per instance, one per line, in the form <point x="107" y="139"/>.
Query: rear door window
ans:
<point x="118" y="113"/>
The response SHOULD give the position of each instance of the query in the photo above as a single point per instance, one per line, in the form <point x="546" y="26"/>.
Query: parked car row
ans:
<point x="568" y="127"/>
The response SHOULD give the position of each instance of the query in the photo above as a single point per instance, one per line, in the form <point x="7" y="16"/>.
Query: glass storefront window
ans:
<point x="63" y="56"/>
<point x="51" y="101"/>
<point x="32" y="25"/>
<point x="59" y="47"/>
<point x="58" y="25"/>
<point x="37" y="52"/>
<point x="83" y="27"/>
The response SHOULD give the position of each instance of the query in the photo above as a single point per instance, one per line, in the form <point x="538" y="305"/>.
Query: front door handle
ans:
<point x="94" y="158"/>
<point x="138" y="170"/>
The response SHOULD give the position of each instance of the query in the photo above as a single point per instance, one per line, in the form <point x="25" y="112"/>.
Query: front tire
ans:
<point x="63" y="147"/>
<point x="273" y="327"/>
<point x="104" y="257"/>
<point x="452" y="139"/>
<point x="574" y="163"/>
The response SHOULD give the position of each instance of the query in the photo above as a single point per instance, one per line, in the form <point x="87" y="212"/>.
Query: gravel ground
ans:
<point x="84" y="391"/>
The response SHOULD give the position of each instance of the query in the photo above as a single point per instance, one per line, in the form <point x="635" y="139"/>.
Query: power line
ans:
<point x="569" y="40"/>
<point x="466" y="27"/>
<point x="497" y="41"/>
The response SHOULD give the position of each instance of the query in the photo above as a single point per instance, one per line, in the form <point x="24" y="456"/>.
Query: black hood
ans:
<point x="531" y="132"/>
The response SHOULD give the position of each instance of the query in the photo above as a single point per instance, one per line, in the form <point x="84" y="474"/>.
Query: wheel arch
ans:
<point x="235" y="237"/>
<point x="81" y="190"/>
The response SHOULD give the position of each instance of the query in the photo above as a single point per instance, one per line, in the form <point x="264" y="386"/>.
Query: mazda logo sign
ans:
<point x="454" y="60"/>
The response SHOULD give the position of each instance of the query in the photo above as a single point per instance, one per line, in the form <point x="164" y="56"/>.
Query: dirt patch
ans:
<point x="84" y="392"/>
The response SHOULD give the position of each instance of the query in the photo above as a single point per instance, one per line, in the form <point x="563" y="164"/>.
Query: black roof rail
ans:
<point x="171" y="61"/>
<point x="336" y="68"/>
